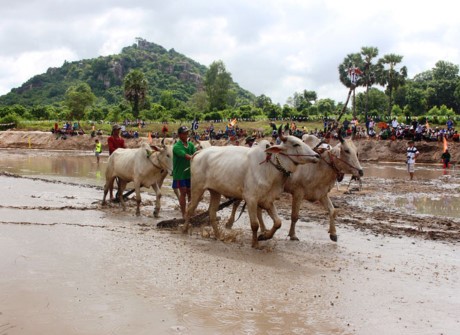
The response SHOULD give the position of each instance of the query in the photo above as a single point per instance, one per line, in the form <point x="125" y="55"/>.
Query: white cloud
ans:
<point x="21" y="68"/>
<point x="270" y="47"/>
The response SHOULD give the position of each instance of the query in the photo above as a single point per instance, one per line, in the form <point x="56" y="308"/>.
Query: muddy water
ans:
<point x="81" y="167"/>
<point x="399" y="171"/>
<point x="72" y="267"/>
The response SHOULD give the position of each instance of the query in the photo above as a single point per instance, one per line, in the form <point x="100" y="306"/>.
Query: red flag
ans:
<point x="150" y="138"/>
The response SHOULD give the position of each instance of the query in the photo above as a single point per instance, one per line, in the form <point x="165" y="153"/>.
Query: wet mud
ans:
<point x="72" y="266"/>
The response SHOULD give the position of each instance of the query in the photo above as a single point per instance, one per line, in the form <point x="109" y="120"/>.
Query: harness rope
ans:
<point x="278" y="164"/>
<point x="333" y="166"/>
<point x="149" y="154"/>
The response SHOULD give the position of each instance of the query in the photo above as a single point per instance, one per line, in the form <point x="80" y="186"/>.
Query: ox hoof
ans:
<point x="294" y="238"/>
<point x="262" y="237"/>
<point x="333" y="237"/>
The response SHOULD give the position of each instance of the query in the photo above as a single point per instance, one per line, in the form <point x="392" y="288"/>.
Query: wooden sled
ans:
<point x="196" y="220"/>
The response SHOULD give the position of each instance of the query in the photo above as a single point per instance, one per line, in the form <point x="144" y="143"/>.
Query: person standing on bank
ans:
<point x="412" y="154"/>
<point x="115" y="141"/>
<point x="183" y="151"/>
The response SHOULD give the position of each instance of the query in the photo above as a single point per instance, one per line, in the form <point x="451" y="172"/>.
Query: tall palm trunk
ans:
<point x="366" y="112"/>
<point x="352" y="89"/>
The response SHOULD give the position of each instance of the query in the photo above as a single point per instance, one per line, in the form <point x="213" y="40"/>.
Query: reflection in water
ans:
<point x="447" y="205"/>
<point x="70" y="164"/>
<point x="399" y="170"/>
<point x="82" y="167"/>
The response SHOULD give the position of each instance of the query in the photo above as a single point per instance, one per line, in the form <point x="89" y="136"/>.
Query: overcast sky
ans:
<point x="271" y="47"/>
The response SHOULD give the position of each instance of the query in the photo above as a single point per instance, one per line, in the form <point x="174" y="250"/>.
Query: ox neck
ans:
<point x="280" y="166"/>
<point x="151" y="157"/>
<point x="331" y="163"/>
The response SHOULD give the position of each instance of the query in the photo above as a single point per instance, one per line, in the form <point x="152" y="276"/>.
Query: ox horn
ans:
<point x="163" y="142"/>
<point x="280" y="134"/>
<point x="339" y="135"/>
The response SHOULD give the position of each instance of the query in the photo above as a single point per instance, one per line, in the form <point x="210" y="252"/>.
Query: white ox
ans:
<point x="314" y="182"/>
<point x="201" y="144"/>
<point x="255" y="175"/>
<point x="144" y="167"/>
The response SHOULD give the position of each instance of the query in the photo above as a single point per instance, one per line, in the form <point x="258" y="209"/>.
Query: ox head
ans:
<point x="347" y="155"/>
<point x="162" y="156"/>
<point x="199" y="145"/>
<point x="293" y="148"/>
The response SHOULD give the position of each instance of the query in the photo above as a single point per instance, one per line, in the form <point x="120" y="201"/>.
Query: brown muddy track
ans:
<point x="377" y="221"/>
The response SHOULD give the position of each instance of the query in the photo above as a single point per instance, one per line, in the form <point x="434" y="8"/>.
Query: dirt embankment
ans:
<point x="369" y="150"/>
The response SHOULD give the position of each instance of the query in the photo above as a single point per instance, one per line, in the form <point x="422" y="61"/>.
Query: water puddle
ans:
<point x="388" y="170"/>
<point x="421" y="204"/>
<point x="81" y="167"/>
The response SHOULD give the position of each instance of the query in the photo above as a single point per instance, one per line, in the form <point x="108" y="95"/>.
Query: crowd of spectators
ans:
<point x="392" y="130"/>
<point x="371" y="129"/>
<point x="67" y="130"/>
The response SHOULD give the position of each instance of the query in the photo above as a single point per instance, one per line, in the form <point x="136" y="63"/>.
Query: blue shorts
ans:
<point x="184" y="183"/>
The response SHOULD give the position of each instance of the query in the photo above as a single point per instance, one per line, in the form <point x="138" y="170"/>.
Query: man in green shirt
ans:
<point x="182" y="154"/>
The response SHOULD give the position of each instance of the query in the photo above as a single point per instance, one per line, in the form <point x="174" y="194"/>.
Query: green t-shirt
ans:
<point x="181" y="166"/>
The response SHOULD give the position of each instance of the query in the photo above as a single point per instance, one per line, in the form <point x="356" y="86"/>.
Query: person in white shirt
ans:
<point x="412" y="154"/>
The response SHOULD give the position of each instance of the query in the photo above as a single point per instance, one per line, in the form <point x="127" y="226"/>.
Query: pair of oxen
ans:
<point x="307" y="169"/>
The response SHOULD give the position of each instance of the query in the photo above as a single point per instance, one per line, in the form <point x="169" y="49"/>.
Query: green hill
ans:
<point x="164" y="70"/>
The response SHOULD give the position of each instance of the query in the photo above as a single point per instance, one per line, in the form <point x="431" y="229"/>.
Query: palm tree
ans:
<point x="389" y="76"/>
<point x="352" y="61"/>
<point x="135" y="89"/>
<point x="369" y="53"/>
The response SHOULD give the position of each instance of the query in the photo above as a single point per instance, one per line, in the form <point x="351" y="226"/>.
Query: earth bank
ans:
<point x="369" y="150"/>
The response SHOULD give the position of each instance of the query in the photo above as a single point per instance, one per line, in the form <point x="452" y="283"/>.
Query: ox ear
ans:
<point x="276" y="149"/>
<point x="155" y="148"/>
<point x="320" y="150"/>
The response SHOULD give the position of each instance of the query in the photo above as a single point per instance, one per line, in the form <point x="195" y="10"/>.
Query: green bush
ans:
<point x="11" y="118"/>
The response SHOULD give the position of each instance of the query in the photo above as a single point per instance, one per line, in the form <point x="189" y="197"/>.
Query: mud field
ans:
<point x="71" y="266"/>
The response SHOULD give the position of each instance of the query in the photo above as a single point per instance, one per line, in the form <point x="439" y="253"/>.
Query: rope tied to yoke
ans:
<point x="279" y="166"/>
<point x="149" y="154"/>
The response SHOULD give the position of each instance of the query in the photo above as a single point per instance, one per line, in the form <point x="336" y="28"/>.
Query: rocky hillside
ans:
<point x="164" y="70"/>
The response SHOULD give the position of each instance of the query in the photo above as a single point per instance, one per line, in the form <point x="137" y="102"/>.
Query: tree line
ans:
<point x="435" y="92"/>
